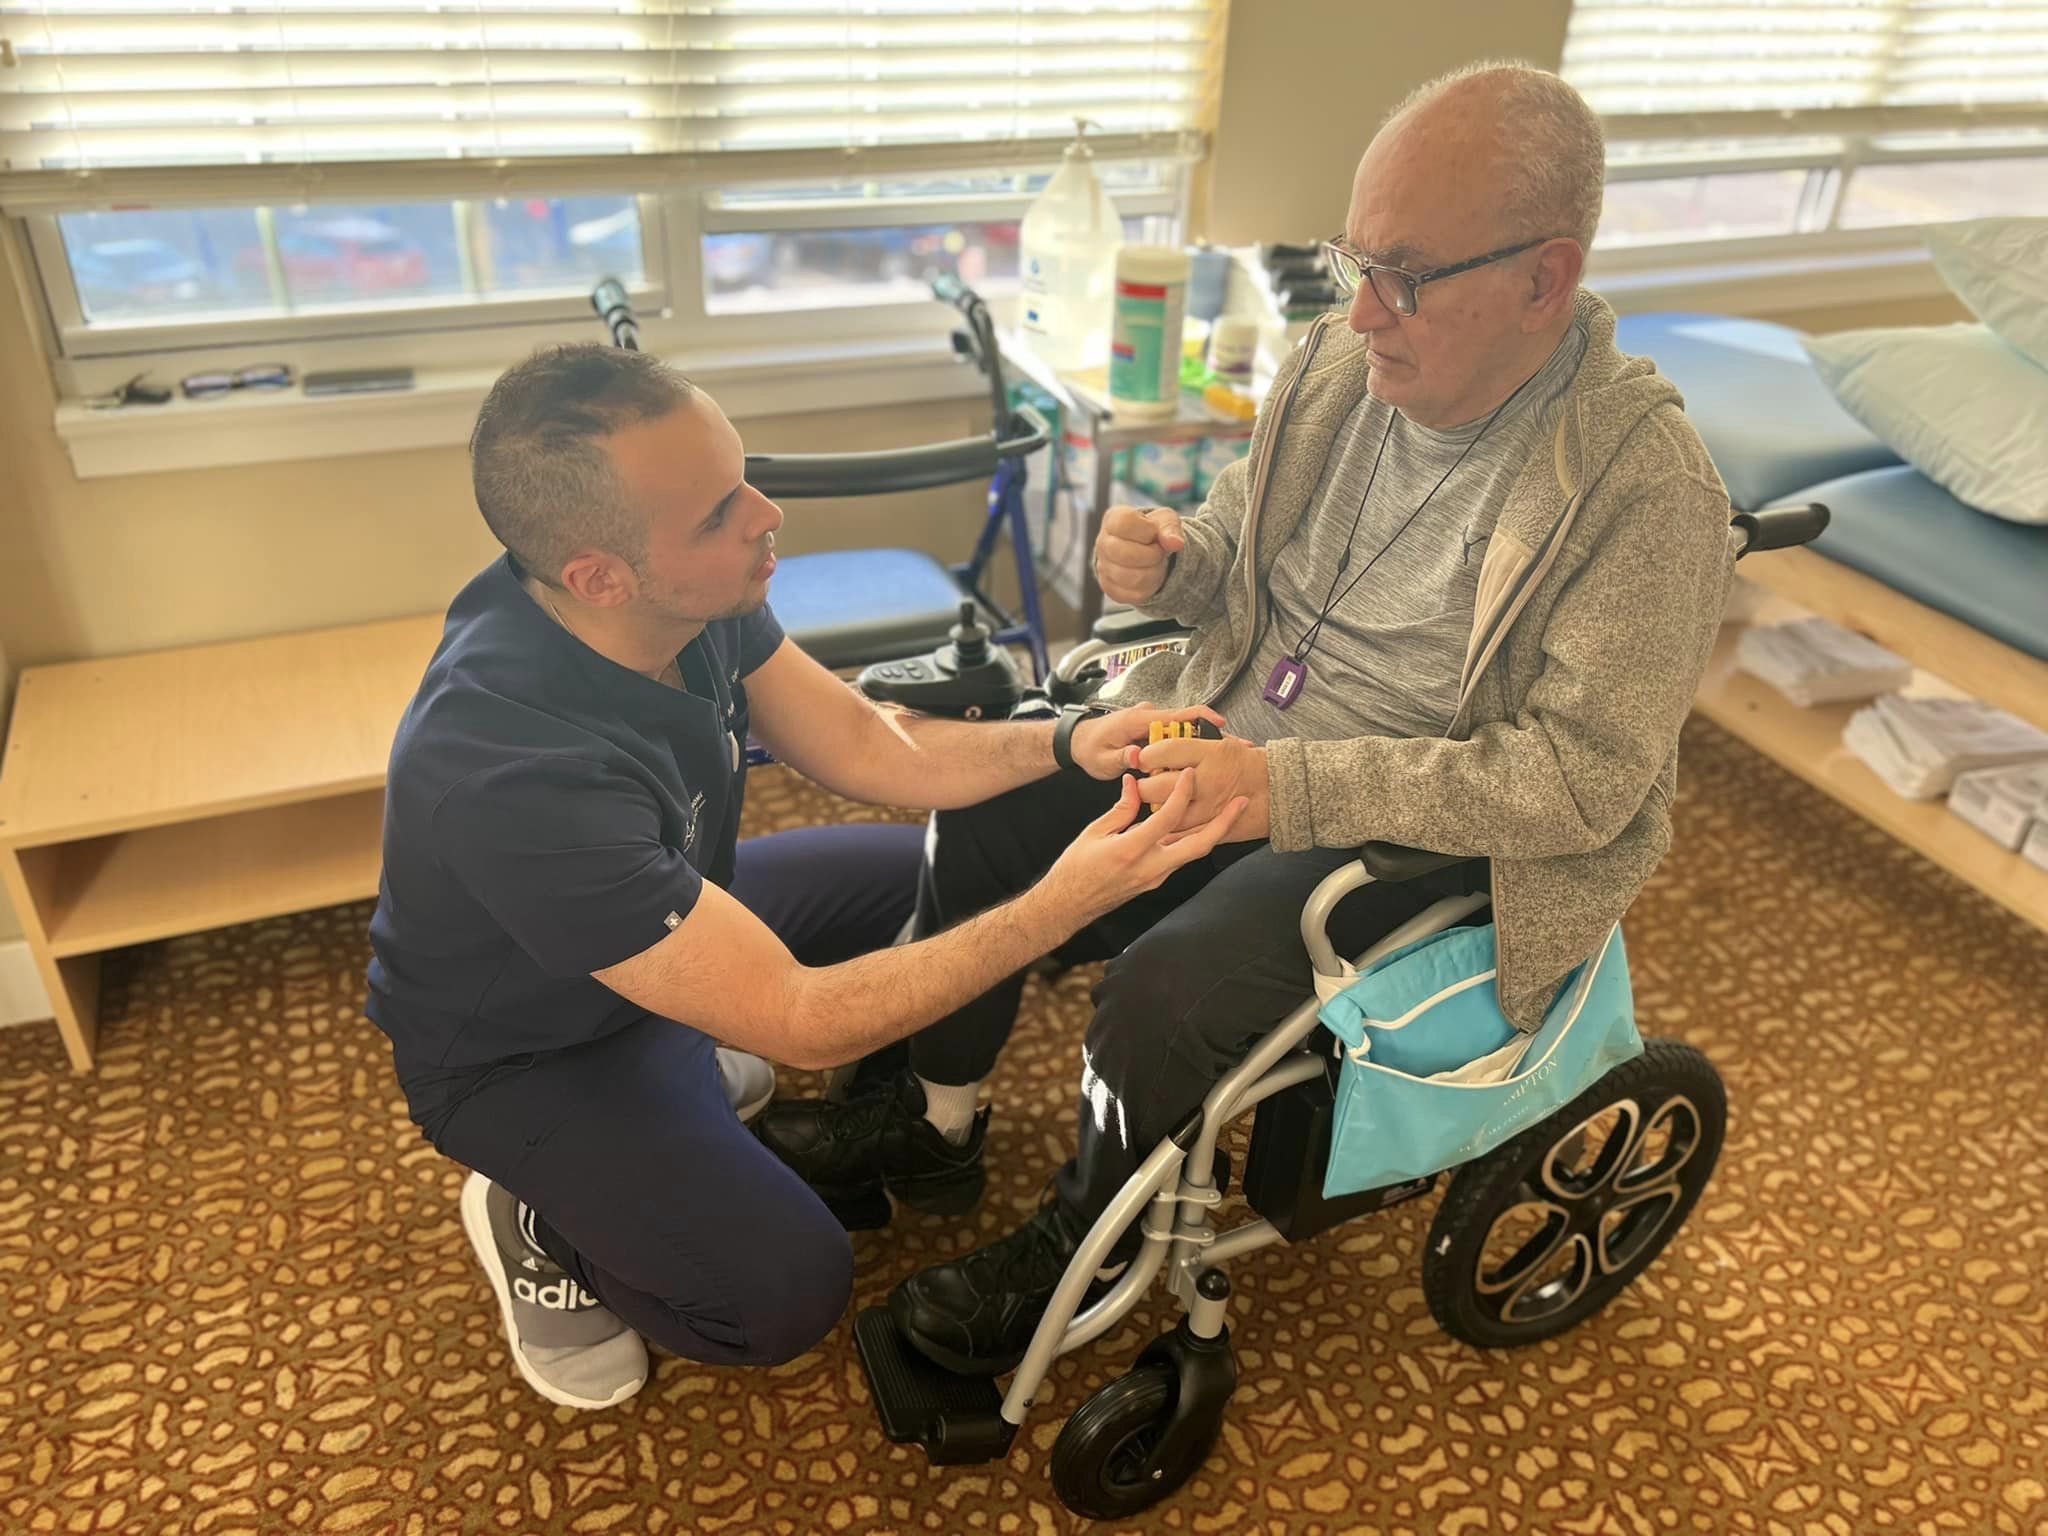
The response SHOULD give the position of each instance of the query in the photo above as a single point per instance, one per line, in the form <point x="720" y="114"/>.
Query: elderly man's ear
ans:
<point x="1553" y="280"/>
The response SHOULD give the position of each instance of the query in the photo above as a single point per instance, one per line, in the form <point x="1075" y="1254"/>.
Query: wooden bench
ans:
<point x="1809" y="741"/>
<point x="147" y="796"/>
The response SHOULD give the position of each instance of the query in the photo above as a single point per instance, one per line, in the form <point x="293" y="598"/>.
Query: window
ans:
<point x="826" y="245"/>
<point x="1786" y="123"/>
<point x="139" y="267"/>
<point x="826" y="268"/>
<point x="223" y="173"/>
<point x="1929" y="192"/>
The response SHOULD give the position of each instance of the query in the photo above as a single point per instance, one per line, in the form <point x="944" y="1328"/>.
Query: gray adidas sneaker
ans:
<point x="570" y="1349"/>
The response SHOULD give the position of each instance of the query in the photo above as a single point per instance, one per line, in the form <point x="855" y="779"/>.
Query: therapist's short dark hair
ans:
<point x="543" y="480"/>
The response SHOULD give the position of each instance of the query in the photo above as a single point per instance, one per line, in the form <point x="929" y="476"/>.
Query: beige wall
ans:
<point x="139" y="562"/>
<point x="1306" y="82"/>
<point x="10" y="925"/>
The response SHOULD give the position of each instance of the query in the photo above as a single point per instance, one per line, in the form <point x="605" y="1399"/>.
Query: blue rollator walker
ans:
<point x="1536" y="1233"/>
<point x="921" y="632"/>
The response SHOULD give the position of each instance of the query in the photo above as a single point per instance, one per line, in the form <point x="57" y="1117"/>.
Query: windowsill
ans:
<point x="440" y="407"/>
<point x="1763" y="286"/>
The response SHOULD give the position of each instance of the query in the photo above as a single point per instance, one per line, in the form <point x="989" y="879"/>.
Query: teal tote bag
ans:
<point x="1433" y="1073"/>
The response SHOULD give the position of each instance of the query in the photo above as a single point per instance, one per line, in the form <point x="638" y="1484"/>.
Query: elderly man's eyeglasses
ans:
<point x="1395" y="288"/>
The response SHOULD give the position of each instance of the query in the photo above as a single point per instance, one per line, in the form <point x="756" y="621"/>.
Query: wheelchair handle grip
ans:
<point x="1781" y="527"/>
<point x="608" y="298"/>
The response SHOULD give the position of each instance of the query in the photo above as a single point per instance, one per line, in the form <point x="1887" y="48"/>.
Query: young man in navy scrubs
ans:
<point x="568" y="925"/>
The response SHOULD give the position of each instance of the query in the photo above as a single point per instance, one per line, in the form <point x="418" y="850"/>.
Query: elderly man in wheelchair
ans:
<point x="1458" y="597"/>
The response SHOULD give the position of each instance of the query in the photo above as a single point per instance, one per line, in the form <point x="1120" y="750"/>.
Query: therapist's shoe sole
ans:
<point x="476" y="1222"/>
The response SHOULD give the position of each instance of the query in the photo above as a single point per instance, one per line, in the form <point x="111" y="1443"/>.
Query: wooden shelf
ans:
<point x="131" y="887"/>
<point x="1809" y="743"/>
<point x="1965" y="658"/>
<point x="143" y="797"/>
<point x="170" y="736"/>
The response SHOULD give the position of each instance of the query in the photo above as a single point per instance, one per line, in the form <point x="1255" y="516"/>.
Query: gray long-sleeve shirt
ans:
<point x="1387" y="660"/>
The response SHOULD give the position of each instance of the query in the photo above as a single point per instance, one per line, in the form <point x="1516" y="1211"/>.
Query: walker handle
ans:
<point x="798" y="475"/>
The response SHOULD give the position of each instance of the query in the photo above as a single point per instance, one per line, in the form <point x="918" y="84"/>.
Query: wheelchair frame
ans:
<point x="1176" y="1185"/>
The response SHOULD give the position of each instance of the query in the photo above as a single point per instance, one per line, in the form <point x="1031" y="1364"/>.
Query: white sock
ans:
<point x="951" y="1109"/>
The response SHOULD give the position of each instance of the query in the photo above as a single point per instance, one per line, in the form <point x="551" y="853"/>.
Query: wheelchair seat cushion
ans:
<point x="847" y="608"/>
<point x="1898" y="527"/>
<point x="1757" y="401"/>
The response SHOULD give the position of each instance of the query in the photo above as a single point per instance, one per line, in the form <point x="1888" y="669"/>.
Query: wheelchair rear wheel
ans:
<point x="1544" y="1231"/>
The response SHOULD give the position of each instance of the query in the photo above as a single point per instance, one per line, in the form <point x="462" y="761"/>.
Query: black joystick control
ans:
<point x="970" y="639"/>
<point x="969" y="676"/>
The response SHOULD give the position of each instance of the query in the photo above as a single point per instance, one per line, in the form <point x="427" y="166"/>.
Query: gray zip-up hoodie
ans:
<point x="1597" y="606"/>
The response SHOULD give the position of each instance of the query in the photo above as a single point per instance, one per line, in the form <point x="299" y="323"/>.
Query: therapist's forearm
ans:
<point x="839" y="1013"/>
<point x="929" y="764"/>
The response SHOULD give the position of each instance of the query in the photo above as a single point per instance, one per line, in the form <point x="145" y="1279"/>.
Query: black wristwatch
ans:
<point x="1072" y="715"/>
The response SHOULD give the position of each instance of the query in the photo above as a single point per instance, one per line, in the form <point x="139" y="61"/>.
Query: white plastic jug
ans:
<point x="1068" y="247"/>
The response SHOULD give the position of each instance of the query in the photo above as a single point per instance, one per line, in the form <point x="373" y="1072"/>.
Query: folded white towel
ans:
<point x="1918" y="746"/>
<point x="1814" y="661"/>
<point x="2002" y="803"/>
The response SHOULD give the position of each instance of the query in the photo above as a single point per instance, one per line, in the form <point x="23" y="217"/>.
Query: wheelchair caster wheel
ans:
<point x="1142" y="1436"/>
<point x="1115" y="1456"/>
<point x="1545" y="1230"/>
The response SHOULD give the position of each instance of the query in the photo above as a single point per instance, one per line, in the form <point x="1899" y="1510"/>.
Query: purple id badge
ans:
<point x="1283" y="683"/>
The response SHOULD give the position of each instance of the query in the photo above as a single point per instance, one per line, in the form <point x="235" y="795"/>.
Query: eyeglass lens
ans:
<point x="1389" y="287"/>
<point x="1393" y="290"/>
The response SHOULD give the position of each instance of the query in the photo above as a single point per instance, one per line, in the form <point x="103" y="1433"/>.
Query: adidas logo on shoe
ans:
<point x="563" y="1295"/>
<point x="565" y="1344"/>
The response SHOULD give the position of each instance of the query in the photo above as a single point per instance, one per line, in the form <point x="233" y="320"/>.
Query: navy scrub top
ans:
<point x="548" y="813"/>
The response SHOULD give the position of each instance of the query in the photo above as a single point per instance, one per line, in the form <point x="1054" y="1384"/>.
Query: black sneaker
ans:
<point x="976" y="1315"/>
<point x="878" y="1143"/>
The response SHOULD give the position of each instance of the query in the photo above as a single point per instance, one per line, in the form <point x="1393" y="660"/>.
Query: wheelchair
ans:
<point x="1529" y="1240"/>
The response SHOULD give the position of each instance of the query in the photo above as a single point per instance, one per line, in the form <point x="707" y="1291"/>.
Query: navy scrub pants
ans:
<point x="650" y="1191"/>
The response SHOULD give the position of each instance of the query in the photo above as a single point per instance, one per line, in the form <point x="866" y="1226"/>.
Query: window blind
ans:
<point x="154" y="84"/>
<point x="1772" y="66"/>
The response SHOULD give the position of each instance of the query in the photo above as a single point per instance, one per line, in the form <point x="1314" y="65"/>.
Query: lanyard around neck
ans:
<point x="1307" y="643"/>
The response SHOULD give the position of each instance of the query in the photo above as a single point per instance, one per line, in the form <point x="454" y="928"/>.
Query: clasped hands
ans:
<point x="1220" y="771"/>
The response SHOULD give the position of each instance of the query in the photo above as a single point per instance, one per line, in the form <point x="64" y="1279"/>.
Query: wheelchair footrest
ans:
<point x="957" y="1419"/>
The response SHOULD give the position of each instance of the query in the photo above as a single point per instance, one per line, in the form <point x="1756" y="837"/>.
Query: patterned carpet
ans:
<point x="238" y="1298"/>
